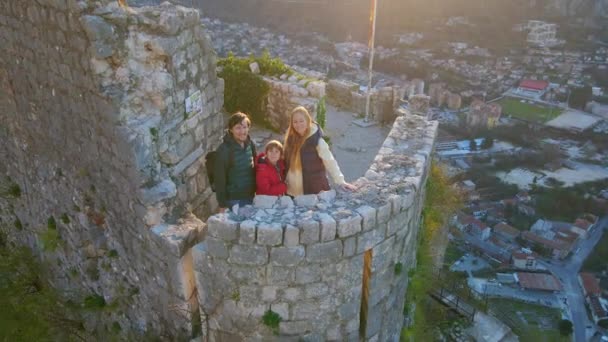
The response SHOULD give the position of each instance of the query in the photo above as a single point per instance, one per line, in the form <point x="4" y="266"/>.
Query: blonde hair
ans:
<point x="293" y="140"/>
<point x="273" y="144"/>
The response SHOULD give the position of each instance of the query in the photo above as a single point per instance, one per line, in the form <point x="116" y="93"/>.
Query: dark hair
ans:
<point x="237" y="118"/>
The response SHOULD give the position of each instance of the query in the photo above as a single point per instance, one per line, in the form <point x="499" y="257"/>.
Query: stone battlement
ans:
<point x="304" y="259"/>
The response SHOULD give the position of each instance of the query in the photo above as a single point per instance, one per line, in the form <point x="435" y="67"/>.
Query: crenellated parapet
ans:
<point x="305" y="259"/>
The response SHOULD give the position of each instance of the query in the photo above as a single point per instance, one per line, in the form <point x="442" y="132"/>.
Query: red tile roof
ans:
<point x="534" y="84"/>
<point x="559" y="244"/>
<point x="522" y="256"/>
<point x="582" y="224"/>
<point x="590" y="284"/>
<point x="506" y="229"/>
<point x="538" y="281"/>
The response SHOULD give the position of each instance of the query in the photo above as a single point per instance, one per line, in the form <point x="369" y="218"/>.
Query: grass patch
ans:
<point x="528" y="111"/>
<point x="511" y="313"/>
<point x="272" y="319"/>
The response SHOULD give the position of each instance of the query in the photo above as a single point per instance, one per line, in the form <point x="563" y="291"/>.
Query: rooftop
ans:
<point x="590" y="283"/>
<point x="538" y="281"/>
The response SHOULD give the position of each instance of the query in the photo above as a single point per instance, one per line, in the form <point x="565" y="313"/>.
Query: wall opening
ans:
<point x="367" y="272"/>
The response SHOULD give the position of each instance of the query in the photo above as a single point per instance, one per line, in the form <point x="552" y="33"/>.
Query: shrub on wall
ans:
<point x="245" y="91"/>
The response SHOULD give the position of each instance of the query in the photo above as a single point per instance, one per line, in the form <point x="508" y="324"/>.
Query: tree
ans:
<point x="487" y="143"/>
<point x="472" y="145"/>
<point x="565" y="327"/>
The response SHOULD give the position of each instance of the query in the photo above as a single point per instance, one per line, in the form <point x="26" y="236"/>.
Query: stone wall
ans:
<point x="383" y="101"/>
<point x="286" y="93"/>
<point x="95" y="135"/>
<point x="304" y="259"/>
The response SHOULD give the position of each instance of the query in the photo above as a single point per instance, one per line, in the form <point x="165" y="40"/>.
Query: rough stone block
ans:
<point x="327" y="196"/>
<point x="328" y="227"/>
<point x="383" y="213"/>
<point x="306" y="200"/>
<point x="247" y="232"/>
<point x="316" y="290"/>
<point x="396" y="203"/>
<point x="176" y="239"/>
<point x="286" y="256"/>
<point x="349" y="310"/>
<point x="292" y="236"/>
<point x="368" y="240"/>
<point x="294" y="328"/>
<point x="308" y="274"/>
<point x="282" y="309"/>
<point x="217" y="248"/>
<point x="310" y="231"/>
<point x="292" y="294"/>
<point x="248" y="255"/>
<point x="397" y="223"/>
<point x="383" y="254"/>
<point x="324" y="251"/>
<point x="349" y="226"/>
<point x="270" y="234"/>
<point x="350" y="245"/>
<point x="164" y="190"/>
<point x="368" y="215"/>
<point x="222" y="227"/>
<point x="304" y="310"/>
<point x="269" y="293"/>
<point x="286" y="202"/>
<point x="278" y="275"/>
<point x="264" y="202"/>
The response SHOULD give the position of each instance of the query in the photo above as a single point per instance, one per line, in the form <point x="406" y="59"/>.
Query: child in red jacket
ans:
<point x="270" y="171"/>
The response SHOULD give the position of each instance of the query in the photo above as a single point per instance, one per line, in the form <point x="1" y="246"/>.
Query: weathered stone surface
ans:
<point x="248" y="255"/>
<point x="368" y="215"/>
<point x="222" y="227"/>
<point x="306" y="200"/>
<point x="264" y="202"/>
<point x="286" y="256"/>
<point x="310" y="232"/>
<point x="350" y="226"/>
<point x="328" y="227"/>
<point x="325" y="251"/>
<point x="247" y="232"/>
<point x="161" y="191"/>
<point x="270" y="234"/>
<point x="292" y="236"/>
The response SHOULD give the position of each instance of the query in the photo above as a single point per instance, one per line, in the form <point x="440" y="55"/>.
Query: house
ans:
<point x="559" y="249"/>
<point x="592" y="291"/>
<point x="506" y="232"/>
<point x="532" y="88"/>
<point x="467" y="185"/>
<point x="479" y="229"/>
<point x="523" y="261"/>
<point x="538" y="281"/>
<point x="581" y="227"/>
<point x="462" y="221"/>
<point x="590" y="284"/>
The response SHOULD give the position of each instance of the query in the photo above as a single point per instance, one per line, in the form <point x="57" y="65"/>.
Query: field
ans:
<point x="528" y="111"/>
<point x="532" y="323"/>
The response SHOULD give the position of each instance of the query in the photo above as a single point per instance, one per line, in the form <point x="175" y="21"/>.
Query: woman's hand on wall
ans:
<point x="348" y="187"/>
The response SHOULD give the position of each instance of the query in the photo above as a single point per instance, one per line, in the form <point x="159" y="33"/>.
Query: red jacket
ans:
<point x="268" y="180"/>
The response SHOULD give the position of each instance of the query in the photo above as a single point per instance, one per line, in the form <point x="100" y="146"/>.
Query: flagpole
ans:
<point x="371" y="59"/>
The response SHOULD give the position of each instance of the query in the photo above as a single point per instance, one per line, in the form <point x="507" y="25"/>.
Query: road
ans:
<point x="568" y="270"/>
